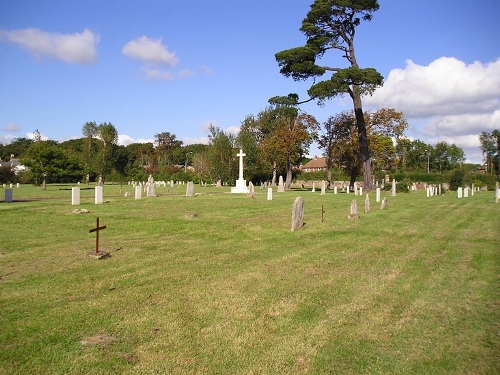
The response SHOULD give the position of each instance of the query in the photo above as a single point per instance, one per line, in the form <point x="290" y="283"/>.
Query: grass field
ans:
<point x="218" y="284"/>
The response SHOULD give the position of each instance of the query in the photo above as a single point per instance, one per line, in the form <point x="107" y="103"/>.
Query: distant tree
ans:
<point x="48" y="163"/>
<point x="331" y="25"/>
<point x="221" y="154"/>
<point x="89" y="131"/>
<point x="339" y="140"/>
<point x="108" y="135"/>
<point x="490" y="146"/>
<point x="166" y="144"/>
<point x="17" y="148"/>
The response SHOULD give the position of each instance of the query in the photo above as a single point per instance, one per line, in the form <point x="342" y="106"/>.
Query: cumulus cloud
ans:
<point x="447" y="100"/>
<point x="446" y="86"/>
<point x="6" y="139"/>
<point x="78" y="48"/>
<point x="125" y="140"/>
<point x="11" y="127"/>
<point x="158" y="74"/>
<point x="150" y="51"/>
<point x="33" y="136"/>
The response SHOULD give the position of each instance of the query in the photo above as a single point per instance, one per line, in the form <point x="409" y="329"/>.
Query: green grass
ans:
<point x="413" y="289"/>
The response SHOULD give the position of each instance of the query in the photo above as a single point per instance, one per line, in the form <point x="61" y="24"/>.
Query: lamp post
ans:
<point x="185" y="161"/>
<point x="428" y="160"/>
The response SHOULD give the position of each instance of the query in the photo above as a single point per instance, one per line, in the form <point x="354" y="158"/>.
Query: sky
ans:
<point x="152" y="66"/>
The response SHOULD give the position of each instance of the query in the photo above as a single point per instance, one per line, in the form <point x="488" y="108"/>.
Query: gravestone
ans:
<point x="17" y="185"/>
<point x="150" y="187"/>
<point x="353" y="215"/>
<point x="393" y="190"/>
<point x="75" y="196"/>
<point x="323" y="187"/>
<point x="251" y="190"/>
<point x="98" y="195"/>
<point x="466" y="192"/>
<point x="471" y="190"/>
<point x="335" y="190"/>
<point x="314" y="188"/>
<point x="355" y="188"/>
<point x="383" y="205"/>
<point x="190" y="189"/>
<point x="269" y="194"/>
<point x="377" y="197"/>
<point x="281" y="185"/>
<point x="298" y="214"/>
<point x="459" y="192"/>
<point x="8" y="195"/>
<point x="138" y="192"/>
<point x="361" y="190"/>
<point x="367" y="203"/>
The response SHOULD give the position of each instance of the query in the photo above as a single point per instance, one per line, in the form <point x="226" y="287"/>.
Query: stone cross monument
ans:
<point x="241" y="184"/>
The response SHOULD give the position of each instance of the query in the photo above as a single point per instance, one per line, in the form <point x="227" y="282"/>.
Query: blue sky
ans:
<point x="151" y="66"/>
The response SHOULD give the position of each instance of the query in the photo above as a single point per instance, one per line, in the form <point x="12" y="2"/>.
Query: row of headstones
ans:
<point x="99" y="198"/>
<point x="10" y="186"/>
<point x="298" y="211"/>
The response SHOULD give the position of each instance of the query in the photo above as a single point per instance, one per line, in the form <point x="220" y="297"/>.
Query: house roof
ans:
<point x="315" y="163"/>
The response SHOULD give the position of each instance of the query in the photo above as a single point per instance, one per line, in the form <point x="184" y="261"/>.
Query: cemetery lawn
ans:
<point x="218" y="284"/>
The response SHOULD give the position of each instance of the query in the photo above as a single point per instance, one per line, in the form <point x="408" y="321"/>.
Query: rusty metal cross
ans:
<point x="97" y="229"/>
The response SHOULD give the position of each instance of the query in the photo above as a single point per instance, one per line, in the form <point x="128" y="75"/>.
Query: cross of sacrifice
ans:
<point x="96" y="230"/>
<point x="240" y="155"/>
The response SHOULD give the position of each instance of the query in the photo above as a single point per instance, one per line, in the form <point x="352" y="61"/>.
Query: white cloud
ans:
<point x="78" y="48"/>
<point x="151" y="51"/>
<point x="447" y="100"/>
<point x="194" y="140"/>
<point x="184" y="73"/>
<point x="232" y="130"/>
<point x="31" y="135"/>
<point x="158" y="74"/>
<point x="6" y="139"/>
<point x="11" y="127"/>
<point x="125" y="140"/>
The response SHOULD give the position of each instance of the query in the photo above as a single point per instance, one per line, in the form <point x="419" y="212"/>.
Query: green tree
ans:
<point x="490" y="146"/>
<point x="108" y="135"/>
<point x="89" y="131"/>
<point x="331" y="25"/>
<point x="166" y="144"/>
<point x="220" y="155"/>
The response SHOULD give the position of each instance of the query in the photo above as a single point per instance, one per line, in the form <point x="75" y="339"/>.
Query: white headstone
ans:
<point x="472" y="190"/>
<point x="367" y="203"/>
<point x="138" y="192"/>
<point x="98" y="195"/>
<point x="459" y="192"/>
<point x="466" y="192"/>
<point x="360" y="190"/>
<point x="323" y="187"/>
<point x="314" y="188"/>
<point x="190" y="189"/>
<point x="75" y="196"/>
<point x="17" y="185"/>
<point x="377" y="198"/>
<point x="393" y="187"/>
<point x="281" y="185"/>
<point x="355" y="188"/>
<point x="335" y="190"/>
<point x="269" y="194"/>
<point x="8" y="195"/>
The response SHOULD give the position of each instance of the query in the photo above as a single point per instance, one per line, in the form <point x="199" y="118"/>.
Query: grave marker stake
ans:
<point x="97" y="229"/>
<point x="322" y="213"/>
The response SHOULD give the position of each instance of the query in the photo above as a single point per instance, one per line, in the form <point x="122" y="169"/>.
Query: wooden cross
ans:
<point x="97" y="229"/>
<point x="322" y="213"/>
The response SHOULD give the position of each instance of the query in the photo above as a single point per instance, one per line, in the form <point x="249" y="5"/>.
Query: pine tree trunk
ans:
<point x="364" y="148"/>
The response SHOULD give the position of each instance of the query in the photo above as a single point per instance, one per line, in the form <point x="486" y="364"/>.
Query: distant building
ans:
<point x="13" y="164"/>
<point x="314" y="165"/>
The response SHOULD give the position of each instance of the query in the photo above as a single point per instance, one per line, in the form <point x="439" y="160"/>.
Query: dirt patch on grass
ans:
<point x="99" y="339"/>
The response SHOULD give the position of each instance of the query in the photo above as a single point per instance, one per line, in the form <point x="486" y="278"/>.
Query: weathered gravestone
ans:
<point x="281" y="185"/>
<point x="367" y="203"/>
<point x="393" y="190"/>
<point x="377" y="197"/>
<point x="383" y="205"/>
<point x="459" y="192"/>
<point x="138" y="192"/>
<point x="190" y="189"/>
<point x="298" y="214"/>
<point x="323" y="187"/>
<point x="98" y="195"/>
<point x="8" y="195"/>
<point x="269" y="194"/>
<point x="75" y="196"/>
<point x="353" y="211"/>
<point x="251" y="190"/>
